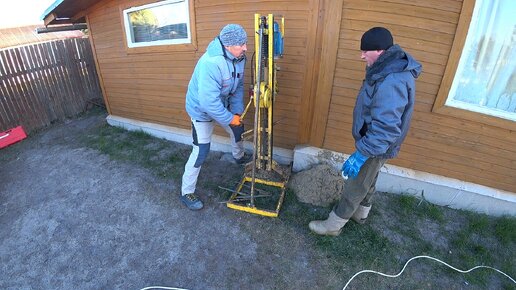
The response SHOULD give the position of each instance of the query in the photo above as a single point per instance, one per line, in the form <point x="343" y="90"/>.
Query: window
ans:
<point x="161" y="23"/>
<point x="485" y="80"/>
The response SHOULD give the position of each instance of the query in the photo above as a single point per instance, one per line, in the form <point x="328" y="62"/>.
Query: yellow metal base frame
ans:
<point x="232" y="203"/>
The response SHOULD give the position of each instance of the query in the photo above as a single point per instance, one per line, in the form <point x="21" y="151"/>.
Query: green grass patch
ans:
<point x="478" y="224"/>
<point x="505" y="230"/>
<point x="486" y="240"/>
<point x="415" y="205"/>
<point x="164" y="158"/>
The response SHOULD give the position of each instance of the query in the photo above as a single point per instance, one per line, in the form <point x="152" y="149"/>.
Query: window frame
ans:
<point x="459" y="41"/>
<point x="158" y="47"/>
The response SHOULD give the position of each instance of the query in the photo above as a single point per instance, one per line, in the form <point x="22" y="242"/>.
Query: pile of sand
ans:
<point x="321" y="185"/>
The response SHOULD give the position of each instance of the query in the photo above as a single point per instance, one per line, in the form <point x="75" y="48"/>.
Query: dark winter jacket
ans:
<point x="385" y="103"/>
<point x="216" y="90"/>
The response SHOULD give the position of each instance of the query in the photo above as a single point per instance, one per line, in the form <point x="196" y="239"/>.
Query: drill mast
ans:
<point x="263" y="171"/>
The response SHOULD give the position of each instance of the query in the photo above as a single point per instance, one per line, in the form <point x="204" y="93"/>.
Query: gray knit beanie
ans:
<point x="233" y="34"/>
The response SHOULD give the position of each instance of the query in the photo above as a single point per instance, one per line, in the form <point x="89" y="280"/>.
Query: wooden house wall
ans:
<point x="151" y="86"/>
<point x="437" y="143"/>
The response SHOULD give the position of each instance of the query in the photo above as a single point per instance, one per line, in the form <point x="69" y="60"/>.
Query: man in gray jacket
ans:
<point x="215" y="93"/>
<point x="381" y="119"/>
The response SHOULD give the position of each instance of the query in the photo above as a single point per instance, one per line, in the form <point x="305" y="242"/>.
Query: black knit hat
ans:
<point x="376" y="38"/>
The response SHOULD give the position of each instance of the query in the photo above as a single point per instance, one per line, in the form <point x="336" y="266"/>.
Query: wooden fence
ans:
<point x="45" y="82"/>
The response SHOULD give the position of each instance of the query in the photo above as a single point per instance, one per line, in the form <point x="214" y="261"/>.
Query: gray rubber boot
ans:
<point x="329" y="227"/>
<point x="360" y="215"/>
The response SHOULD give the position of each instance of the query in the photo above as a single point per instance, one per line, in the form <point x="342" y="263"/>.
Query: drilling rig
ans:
<point x="262" y="188"/>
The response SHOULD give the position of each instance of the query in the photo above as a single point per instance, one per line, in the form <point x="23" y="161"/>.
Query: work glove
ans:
<point x="237" y="127"/>
<point x="235" y="121"/>
<point x="352" y="166"/>
<point x="237" y="131"/>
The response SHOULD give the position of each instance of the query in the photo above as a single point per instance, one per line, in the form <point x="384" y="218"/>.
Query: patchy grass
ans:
<point x="164" y="158"/>
<point x="161" y="156"/>
<point x="399" y="227"/>
<point x="505" y="230"/>
<point x="470" y="239"/>
<point x="424" y="209"/>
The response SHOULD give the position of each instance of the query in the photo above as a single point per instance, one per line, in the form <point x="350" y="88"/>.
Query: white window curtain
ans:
<point x="485" y="80"/>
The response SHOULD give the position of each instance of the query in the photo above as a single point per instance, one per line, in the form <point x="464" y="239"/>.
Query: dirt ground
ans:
<point x="73" y="218"/>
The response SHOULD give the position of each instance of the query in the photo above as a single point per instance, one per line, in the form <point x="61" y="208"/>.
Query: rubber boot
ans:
<point x="329" y="227"/>
<point x="360" y="215"/>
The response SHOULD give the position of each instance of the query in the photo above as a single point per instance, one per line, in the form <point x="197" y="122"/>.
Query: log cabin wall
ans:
<point x="437" y="143"/>
<point x="152" y="86"/>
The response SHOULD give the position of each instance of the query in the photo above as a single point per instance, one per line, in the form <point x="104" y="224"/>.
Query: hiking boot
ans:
<point x="329" y="227"/>
<point x="191" y="201"/>
<point x="360" y="214"/>
<point x="244" y="159"/>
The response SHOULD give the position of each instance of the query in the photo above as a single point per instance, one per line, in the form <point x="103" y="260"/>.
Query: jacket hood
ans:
<point x="393" y="60"/>
<point x="216" y="48"/>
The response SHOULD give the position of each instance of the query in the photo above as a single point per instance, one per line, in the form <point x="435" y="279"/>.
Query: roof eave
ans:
<point x="49" y="11"/>
<point x="67" y="11"/>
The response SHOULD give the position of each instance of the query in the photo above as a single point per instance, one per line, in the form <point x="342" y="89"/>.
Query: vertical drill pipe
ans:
<point x="259" y="77"/>
<point x="257" y="100"/>
<point x="272" y="89"/>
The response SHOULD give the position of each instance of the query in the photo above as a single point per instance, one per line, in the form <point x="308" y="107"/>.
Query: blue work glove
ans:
<point x="352" y="166"/>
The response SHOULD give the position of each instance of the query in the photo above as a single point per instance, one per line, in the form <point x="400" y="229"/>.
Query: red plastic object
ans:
<point x="12" y="136"/>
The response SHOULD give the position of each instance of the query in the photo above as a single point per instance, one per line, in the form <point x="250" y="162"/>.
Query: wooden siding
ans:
<point x="437" y="143"/>
<point x="151" y="86"/>
<point x="320" y="75"/>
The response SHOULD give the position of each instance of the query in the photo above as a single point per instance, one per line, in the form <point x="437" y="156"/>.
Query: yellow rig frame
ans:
<point x="262" y="169"/>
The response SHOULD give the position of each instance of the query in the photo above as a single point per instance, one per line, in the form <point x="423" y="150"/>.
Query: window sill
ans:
<point x="162" y="48"/>
<point x="475" y="117"/>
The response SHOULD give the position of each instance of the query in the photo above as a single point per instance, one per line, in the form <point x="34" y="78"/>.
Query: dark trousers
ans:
<point x="359" y="191"/>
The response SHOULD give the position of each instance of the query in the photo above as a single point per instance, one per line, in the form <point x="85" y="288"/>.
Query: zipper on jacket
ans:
<point x="234" y="70"/>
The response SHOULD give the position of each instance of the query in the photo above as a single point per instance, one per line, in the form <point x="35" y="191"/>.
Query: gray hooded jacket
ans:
<point x="216" y="89"/>
<point x="385" y="103"/>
